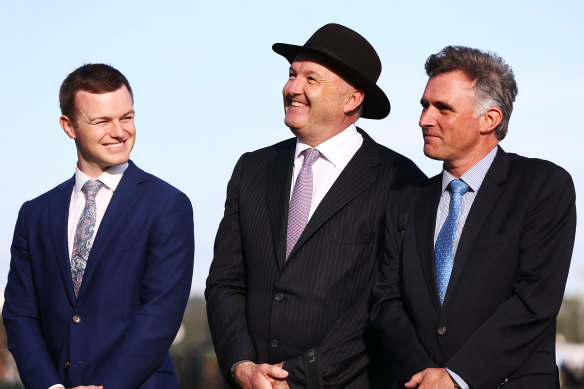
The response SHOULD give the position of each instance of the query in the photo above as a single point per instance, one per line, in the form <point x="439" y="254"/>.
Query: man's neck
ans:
<point x="459" y="167"/>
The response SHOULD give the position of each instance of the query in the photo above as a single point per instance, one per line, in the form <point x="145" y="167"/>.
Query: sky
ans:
<point x="207" y="86"/>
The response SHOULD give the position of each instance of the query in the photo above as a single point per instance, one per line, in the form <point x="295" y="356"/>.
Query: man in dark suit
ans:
<point x="102" y="264"/>
<point x="472" y="298"/>
<point x="295" y="253"/>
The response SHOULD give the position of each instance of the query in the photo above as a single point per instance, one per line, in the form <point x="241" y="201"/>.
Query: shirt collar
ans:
<point x="336" y="148"/>
<point x="474" y="176"/>
<point x="110" y="178"/>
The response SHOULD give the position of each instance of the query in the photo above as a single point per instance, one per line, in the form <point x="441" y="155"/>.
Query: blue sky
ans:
<point x="208" y="86"/>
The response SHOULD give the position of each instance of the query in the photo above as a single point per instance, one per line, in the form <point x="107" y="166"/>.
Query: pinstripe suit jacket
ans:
<point x="268" y="310"/>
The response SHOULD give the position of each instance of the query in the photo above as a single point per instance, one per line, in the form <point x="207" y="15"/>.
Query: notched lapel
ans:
<point x="425" y="217"/>
<point x="59" y="215"/>
<point x="358" y="175"/>
<point x="278" y="178"/>
<point x="482" y="206"/>
<point x="127" y="193"/>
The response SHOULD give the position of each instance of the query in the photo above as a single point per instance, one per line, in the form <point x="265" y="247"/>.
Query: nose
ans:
<point x="293" y="87"/>
<point x="117" y="130"/>
<point x="426" y="118"/>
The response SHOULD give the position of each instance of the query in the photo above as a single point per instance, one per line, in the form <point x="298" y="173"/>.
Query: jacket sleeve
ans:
<point x="226" y="291"/>
<point x="341" y="356"/>
<point x="165" y="289"/>
<point x="21" y="316"/>
<point x="398" y="335"/>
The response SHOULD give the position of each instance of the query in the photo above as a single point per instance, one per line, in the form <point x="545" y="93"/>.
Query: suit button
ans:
<point x="279" y="296"/>
<point x="76" y="319"/>
<point x="67" y="365"/>
<point x="442" y="330"/>
<point x="274" y="343"/>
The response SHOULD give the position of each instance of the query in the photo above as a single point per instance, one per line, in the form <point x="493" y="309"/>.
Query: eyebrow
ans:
<point x="308" y="73"/>
<point x="443" y="105"/>
<point x="130" y="112"/>
<point x="438" y="104"/>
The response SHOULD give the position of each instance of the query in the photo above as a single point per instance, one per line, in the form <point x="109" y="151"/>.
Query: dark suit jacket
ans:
<point x="497" y="322"/>
<point x="132" y="297"/>
<point x="265" y="309"/>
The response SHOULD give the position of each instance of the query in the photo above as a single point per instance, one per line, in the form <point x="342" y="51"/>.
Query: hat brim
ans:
<point x="375" y="105"/>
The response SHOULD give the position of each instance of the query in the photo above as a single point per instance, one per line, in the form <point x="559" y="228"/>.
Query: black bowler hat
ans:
<point x="352" y="57"/>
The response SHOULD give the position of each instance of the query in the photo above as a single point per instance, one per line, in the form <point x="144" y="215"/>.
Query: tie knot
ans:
<point x="310" y="156"/>
<point x="91" y="187"/>
<point x="458" y="186"/>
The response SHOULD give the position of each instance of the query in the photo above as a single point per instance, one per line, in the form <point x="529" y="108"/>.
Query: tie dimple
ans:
<point x="444" y="248"/>
<point x="301" y="200"/>
<point x="84" y="234"/>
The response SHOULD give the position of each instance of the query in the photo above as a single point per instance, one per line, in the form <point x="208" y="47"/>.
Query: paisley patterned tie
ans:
<point x="84" y="234"/>
<point x="444" y="248"/>
<point x="301" y="200"/>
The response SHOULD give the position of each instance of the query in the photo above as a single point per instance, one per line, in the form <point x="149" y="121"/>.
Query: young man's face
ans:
<point x="103" y="129"/>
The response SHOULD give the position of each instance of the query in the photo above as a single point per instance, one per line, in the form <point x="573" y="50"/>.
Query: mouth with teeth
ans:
<point x="115" y="145"/>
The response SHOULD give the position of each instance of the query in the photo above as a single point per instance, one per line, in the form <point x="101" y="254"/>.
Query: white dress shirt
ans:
<point x="336" y="153"/>
<point x="110" y="179"/>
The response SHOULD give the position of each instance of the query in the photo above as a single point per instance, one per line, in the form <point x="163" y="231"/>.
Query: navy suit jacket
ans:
<point x="497" y="323"/>
<point x="132" y="298"/>
<point x="264" y="308"/>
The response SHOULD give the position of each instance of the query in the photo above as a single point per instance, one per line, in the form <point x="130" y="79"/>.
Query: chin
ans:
<point x="432" y="154"/>
<point x="292" y="124"/>
<point x="118" y="161"/>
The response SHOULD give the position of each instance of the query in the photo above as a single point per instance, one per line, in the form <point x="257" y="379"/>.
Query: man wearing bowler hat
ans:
<point x="295" y="253"/>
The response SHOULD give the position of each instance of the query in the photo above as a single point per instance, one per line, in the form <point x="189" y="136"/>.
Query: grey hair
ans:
<point x="495" y="84"/>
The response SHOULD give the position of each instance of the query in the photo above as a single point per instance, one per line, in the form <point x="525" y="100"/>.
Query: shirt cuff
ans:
<point x="457" y="379"/>
<point x="57" y="386"/>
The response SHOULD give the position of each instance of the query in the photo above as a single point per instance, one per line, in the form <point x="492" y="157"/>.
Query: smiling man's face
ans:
<point x="314" y="100"/>
<point x="103" y="129"/>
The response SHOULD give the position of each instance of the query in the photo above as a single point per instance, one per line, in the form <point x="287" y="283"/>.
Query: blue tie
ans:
<point x="444" y="249"/>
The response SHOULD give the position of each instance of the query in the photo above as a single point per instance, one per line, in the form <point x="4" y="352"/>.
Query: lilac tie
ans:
<point x="300" y="201"/>
<point x="84" y="234"/>
<point x="444" y="248"/>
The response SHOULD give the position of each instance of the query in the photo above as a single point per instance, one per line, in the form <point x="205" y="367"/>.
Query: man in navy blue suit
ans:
<point x="102" y="264"/>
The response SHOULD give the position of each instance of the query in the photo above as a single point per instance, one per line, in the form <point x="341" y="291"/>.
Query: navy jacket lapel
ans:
<point x="59" y="215"/>
<point x="278" y="178"/>
<point x="425" y="217"/>
<point x="359" y="173"/>
<point x="482" y="206"/>
<point x="127" y="192"/>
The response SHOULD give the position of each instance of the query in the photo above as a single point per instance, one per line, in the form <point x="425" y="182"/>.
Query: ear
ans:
<point x="67" y="126"/>
<point x="354" y="100"/>
<point x="490" y="120"/>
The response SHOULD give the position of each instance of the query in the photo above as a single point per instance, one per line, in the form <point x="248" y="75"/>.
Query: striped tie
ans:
<point x="300" y="201"/>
